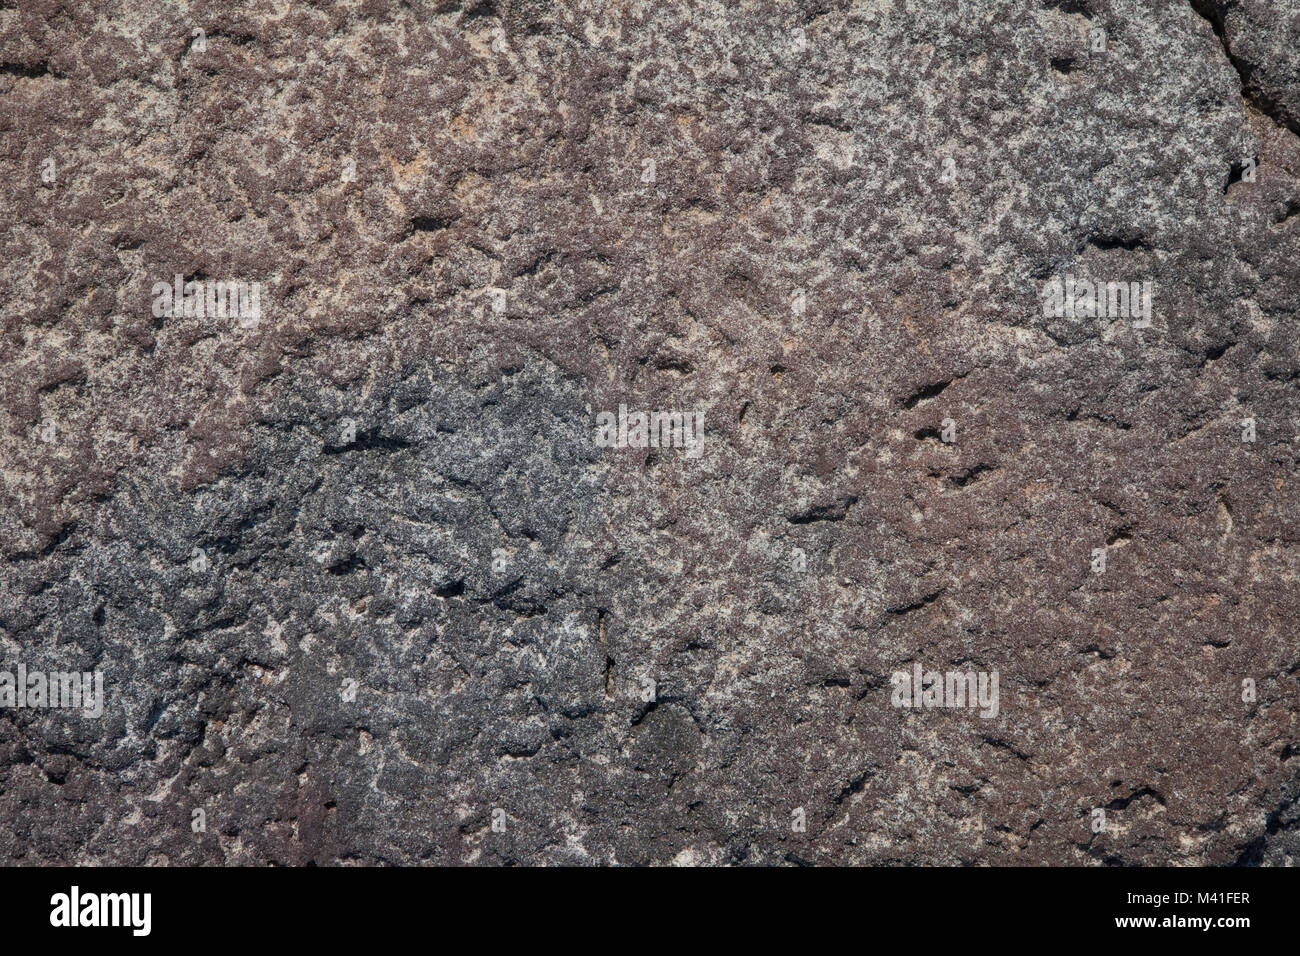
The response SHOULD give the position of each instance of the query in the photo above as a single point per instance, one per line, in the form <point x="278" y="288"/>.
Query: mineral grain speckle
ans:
<point x="361" y="584"/>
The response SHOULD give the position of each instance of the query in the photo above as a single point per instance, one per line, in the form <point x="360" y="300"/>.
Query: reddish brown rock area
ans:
<point x="374" y="570"/>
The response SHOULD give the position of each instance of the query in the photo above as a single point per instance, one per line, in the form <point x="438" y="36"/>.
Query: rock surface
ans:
<point x="364" y="587"/>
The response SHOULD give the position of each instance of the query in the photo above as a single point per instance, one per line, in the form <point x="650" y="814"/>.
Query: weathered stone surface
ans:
<point x="364" y="588"/>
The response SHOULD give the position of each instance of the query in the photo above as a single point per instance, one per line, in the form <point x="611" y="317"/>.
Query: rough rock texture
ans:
<point x="364" y="588"/>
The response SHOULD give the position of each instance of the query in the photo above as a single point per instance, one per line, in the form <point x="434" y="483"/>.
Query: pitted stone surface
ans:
<point x="823" y="226"/>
